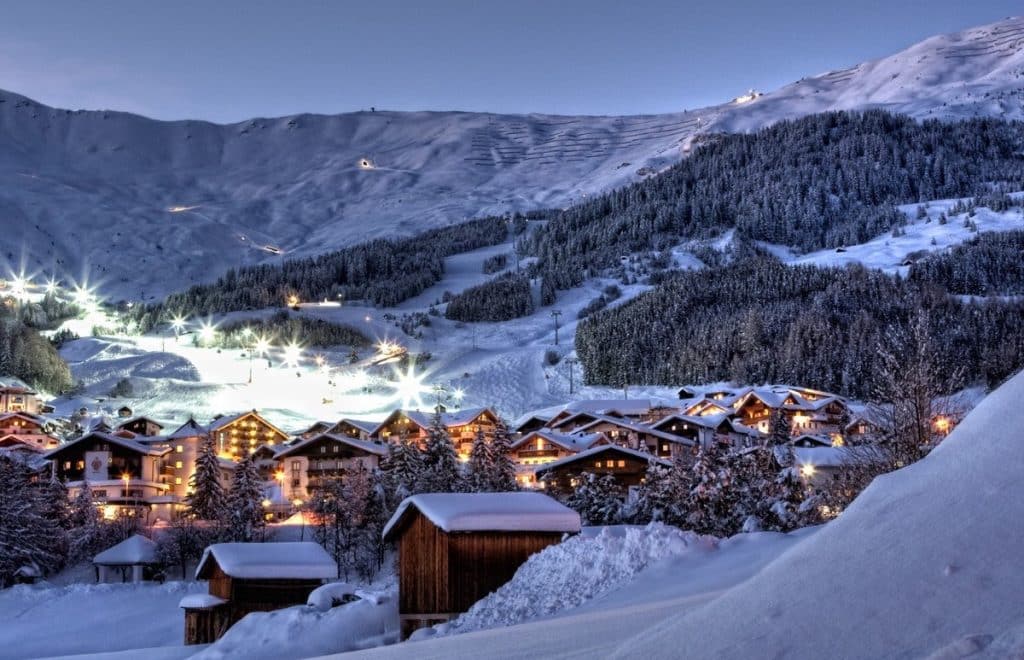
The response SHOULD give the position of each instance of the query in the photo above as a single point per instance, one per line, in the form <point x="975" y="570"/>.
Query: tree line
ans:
<point x="502" y="298"/>
<point x="822" y="181"/>
<point x="759" y="320"/>
<point x="987" y="265"/>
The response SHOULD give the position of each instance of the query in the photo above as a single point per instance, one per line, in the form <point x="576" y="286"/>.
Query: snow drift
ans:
<point x="926" y="557"/>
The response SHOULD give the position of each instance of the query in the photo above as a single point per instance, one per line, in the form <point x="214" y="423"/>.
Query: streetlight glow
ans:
<point x="292" y="355"/>
<point x="410" y="388"/>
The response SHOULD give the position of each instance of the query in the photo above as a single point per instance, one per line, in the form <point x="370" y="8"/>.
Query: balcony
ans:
<point x="537" y="453"/>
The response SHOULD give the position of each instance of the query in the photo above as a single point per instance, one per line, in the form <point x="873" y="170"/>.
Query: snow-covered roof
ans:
<point x="449" y="419"/>
<point x="365" y="425"/>
<point x="189" y="429"/>
<point x="127" y="443"/>
<point x="28" y="417"/>
<point x="200" y="601"/>
<point x="362" y="445"/>
<point x="636" y="427"/>
<point x="293" y="560"/>
<point x="136" y="549"/>
<point x="221" y="422"/>
<point x="489" y="512"/>
<point x="570" y="441"/>
<point x="597" y="451"/>
<point x="623" y="407"/>
<point x="821" y="456"/>
<point x="140" y="418"/>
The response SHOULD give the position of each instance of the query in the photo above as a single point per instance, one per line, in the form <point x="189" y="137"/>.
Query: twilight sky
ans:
<point x="227" y="60"/>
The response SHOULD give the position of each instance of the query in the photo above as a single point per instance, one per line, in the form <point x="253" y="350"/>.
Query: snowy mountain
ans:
<point x="143" y="207"/>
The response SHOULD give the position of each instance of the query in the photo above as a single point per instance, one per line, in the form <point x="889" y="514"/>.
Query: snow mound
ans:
<point x="926" y="558"/>
<point x="577" y="570"/>
<point x="304" y="632"/>
<point x="324" y="597"/>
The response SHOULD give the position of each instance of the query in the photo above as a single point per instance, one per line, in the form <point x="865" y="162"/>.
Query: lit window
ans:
<point x="622" y="463"/>
<point x="178" y="464"/>
<point x="323" y="449"/>
<point x="180" y="449"/>
<point x="177" y="481"/>
<point x="597" y="463"/>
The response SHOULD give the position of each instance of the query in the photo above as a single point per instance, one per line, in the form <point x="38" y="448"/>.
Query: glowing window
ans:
<point x="180" y="449"/>
<point x="178" y="464"/>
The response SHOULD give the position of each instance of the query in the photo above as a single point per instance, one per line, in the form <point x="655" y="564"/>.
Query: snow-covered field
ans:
<point x="144" y="207"/>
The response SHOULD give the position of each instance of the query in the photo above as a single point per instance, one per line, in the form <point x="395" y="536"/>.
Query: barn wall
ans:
<point x="480" y="562"/>
<point x="423" y="568"/>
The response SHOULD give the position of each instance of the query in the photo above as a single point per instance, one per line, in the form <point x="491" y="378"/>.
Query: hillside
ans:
<point x="144" y="207"/>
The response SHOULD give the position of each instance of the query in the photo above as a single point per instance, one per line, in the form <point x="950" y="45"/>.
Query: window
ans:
<point x="177" y="481"/>
<point x="178" y="464"/>
<point x="597" y="463"/>
<point x="296" y="468"/>
<point x="323" y="449"/>
<point x="334" y="448"/>
<point x="180" y="449"/>
<point x="67" y="465"/>
<point x="622" y="464"/>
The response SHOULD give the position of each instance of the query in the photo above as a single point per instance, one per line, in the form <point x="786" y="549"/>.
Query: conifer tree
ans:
<point x="598" y="500"/>
<point x="479" y="467"/>
<point x="712" y="501"/>
<point x="26" y="536"/>
<point x="441" y="472"/>
<point x="245" y="502"/>
<point x="401" y="471"/>
<point x="503" y="468"/>
<point x="207" y="500"/>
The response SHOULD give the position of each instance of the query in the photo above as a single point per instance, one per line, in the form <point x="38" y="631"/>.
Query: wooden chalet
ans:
<point x="25" y="429"/>
<point x="627" y="466"/>
<point x="304" y="466"/>
<point x="182" y="447"/>
<point x="124" y="412"/>
<point x="360" y="429"/>
<point x="141" y="426"/>
<point x="808" y="411"/>
<point x="455" y="548"/>
<point x="462" y="426"/>
<point x="252" y="577"/>
<point x="239" y="435"/>
<point x="14" y="398"/>
<point x="546" y="446"/>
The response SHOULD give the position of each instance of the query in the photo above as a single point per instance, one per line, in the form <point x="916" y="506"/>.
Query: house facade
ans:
<point x="304" y="466"/>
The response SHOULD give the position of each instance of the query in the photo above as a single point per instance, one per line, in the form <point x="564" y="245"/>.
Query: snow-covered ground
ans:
<point x="923" y="563"/>
<point x="144" y="207"/>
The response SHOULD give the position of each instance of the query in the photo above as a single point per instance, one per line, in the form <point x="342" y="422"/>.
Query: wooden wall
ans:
<point x="423" y="568"/>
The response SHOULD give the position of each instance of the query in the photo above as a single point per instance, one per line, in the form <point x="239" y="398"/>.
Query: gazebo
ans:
<point x="136" y="553"/>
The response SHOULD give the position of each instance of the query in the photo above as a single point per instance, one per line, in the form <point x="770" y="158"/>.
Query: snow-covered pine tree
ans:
<point x="401" y="471"/>
<point x="503" y="469"/>
<point x="479" y="467"/>
<point x="441" y="473"/>
<point x="26" y="536"/>
<point x="85" y="526"/>
<point x="712" y="501"/>
<point x="598" y="500"/>
<point x="207" y="500"/>
<point x="245" y="502"/>
<point x="370" y="549"/>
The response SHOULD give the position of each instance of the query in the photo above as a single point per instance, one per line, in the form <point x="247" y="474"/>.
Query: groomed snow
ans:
<point x="136" y="549"/>
<point x="290" y="560"/>
<point x="502" y="512"/>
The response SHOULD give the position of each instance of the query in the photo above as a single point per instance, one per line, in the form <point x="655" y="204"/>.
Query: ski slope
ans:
<point x="143" y="207"/>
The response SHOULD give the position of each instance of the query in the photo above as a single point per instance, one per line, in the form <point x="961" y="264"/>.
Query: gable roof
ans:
<point x="293" y="560"/>
<point x="221" y="422"/>
<point x="189" y="429"/>
<point x="487" y="512"/>
<point x="598" y="451"/>
<point x="136" y="549"/>
<point x="140" y="418"/>
<point x="422" y="419"/>
<point x="127" y="443"/>
<point x="28" y="417"/>
<point x="362" y="445"/>
<point x="365" y="425"/>
<point x="636" y="427"/>
<point x="574" y="442"/>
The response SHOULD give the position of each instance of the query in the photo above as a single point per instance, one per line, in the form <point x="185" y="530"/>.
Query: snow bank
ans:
<point x="283" y="561"/>
<point x="926" y="558"/>
<point x="324" y="597"/>
<point x="475" y="512"/>
<point x="304" y="632"/>
<point x="575" y="571"/>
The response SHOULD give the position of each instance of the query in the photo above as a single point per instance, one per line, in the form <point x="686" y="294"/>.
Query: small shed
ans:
<point x="252" y="577"/>
<point x="455" y="548"/>
<point x="135" y="556"/>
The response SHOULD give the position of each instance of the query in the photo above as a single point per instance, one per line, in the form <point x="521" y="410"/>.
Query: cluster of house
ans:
<point x="135" y="466"/>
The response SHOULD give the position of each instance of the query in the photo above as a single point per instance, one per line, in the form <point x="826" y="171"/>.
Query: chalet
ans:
<point x="814" y="440"/>
<point x="530" y="422"/>
<point x="239" y="435"/>
<point x="14" y="398"/>
<point x="303" y="466"/>
<point x="545" y="446"/>
<point x="133" y="559"/>
<point x="688" y="392"/>
<point x="252" y="577"/>
<point x="124" y="412"/>
<point x="360" y="429"/>
<point x="706" y="407"/>
<point x="455" y="548"/>
<point x="141" y="426"/>
<point x="637" y="410"/>
<point x="627" y="466"/>
<point x="25" y="429"/>
<point x="462" y="426"/>
<point x="181" y="448"/>
<point x="315" y="429"/>
<point x="126" y="477"/>
<point x="638" y="436"/>
<point x="808" y="411"/>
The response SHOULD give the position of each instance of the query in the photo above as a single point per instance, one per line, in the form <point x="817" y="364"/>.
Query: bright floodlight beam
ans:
<point x="410" y="388"/>
<point x="178" y="324"/>
<point x="51" y="286"/>
<point x="261" y="346"/>
<point x="292" y="355"/>
<point x="207" y="332"/>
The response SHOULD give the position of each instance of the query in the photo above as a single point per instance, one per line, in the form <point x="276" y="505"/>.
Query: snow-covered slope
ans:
<point x="925" y="561"/>
<point x="145" y="207"/>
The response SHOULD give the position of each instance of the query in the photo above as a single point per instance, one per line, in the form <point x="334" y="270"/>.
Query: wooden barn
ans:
<point x="252" y="577"/>
<point x="455" y="548"/>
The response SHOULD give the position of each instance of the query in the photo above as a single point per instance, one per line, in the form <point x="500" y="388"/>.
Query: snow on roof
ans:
<point x="136" y="549"/>
<point x="293" y="560"/>
<point x="570" y="441"/>
<point x="139" y="418"/>
<point x="491" y="512"/>
<point x="620" y="406"/>
<point x="223" y="421"/>
<point x="189" y="429"/>
<point x="362" y="445"/>
<point x="200" y="601"/>
<point x="636" y="427"/>
<point x="127" y="443"/>
<point x="449" y="419"/>
<point x="366" y="425"/>
<point x="597" y="451"/>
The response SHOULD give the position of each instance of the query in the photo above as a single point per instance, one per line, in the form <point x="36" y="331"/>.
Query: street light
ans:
<point x="556" y="314"/>
<point x="292" y="354"/>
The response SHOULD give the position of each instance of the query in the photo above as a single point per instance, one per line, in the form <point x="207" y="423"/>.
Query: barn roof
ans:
<point x="136" y="549"/>
<point x="488" y="512"/>
<point x="301" y="560"/>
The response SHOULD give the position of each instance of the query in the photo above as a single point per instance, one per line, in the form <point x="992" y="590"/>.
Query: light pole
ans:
<point x="556" y="314"/>
<point x="571" y="361"/>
